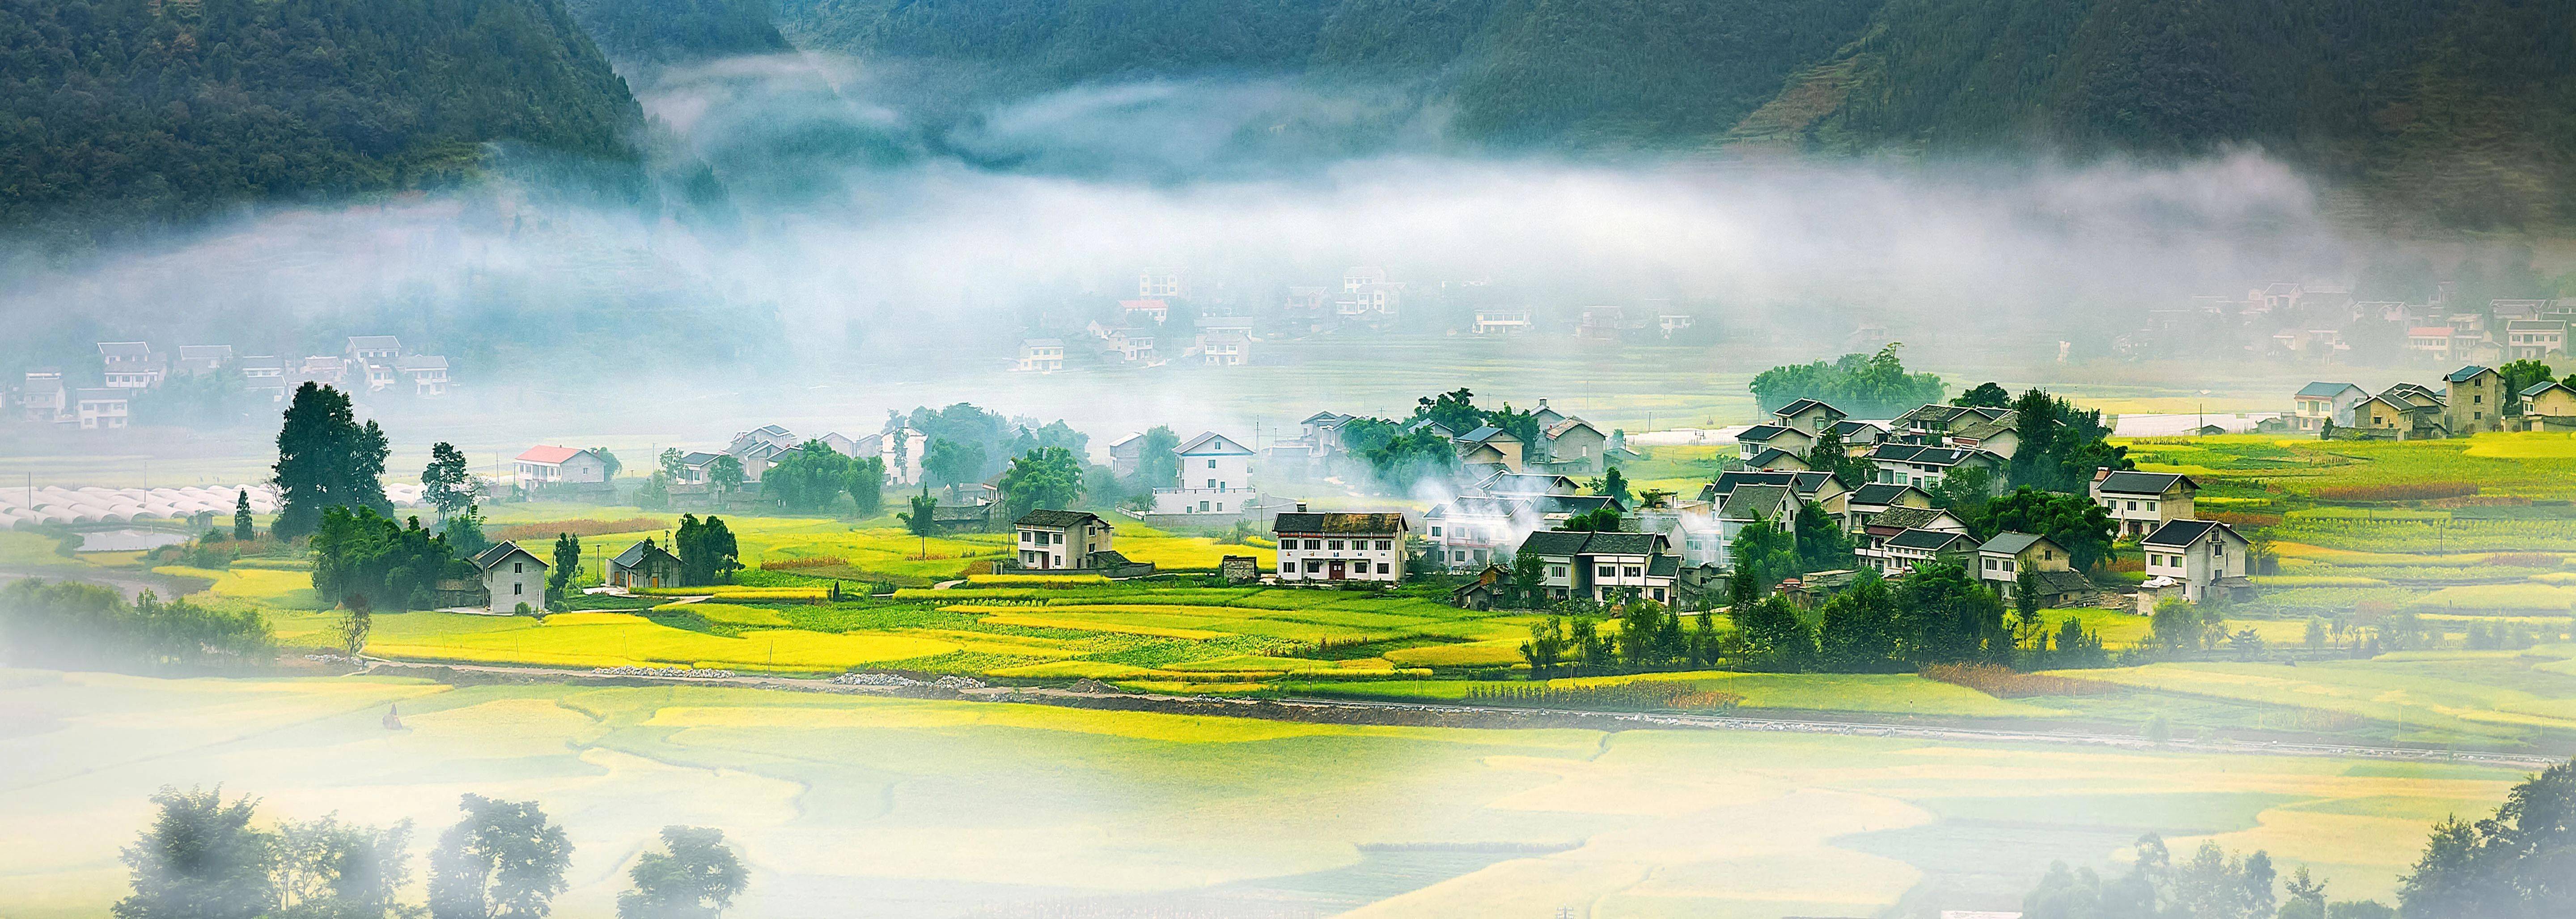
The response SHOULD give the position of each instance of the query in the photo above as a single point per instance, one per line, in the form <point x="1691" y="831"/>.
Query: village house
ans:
<point x="1672" y="323"/>
<point x="1925" y="467"/>
<point x="264" y="375"/>
<point x="2548" y="406"/>
<point x="1224" y="350"/>
<point x="2200" y="558"/>
<point x="1859" y="436"/>
<point x="1746" y="505"/>
<point x="2140" y="502"/>
<point x="2534" y="339"/>
<point x="543" y="466"/>
<point x="1992" y="430"/>
<point x="1912" y="549"/>
<point x="1162" y="281"/>
<point x="1817" y="488"/>
<point x="1051" y="540"/>
<point x="1501" y="321"/>
<point x="102" y="408"/>
<point x="2318" y="405"/>
<point x="1340" y="546"/>
<point x="512" y="576"/>
<point x="203" y="358"/>
<point x="1808" y="416"/>
<point x="1146" y="310"/>
<point x="1873" y="544"/>
<point x="2476" y="401"/>
<point x="1367" y="296"/>
<point x="1574" y="445"/>
<point x="1871" y="499"/>
<point x="43" y="398"/>
<point x="643" y="565"/>
<point x="427" y="372"/>
<point x="2003" y="560"/>
<point x="324" y="369"/>
<point x="1606" y="567"/>
<point x="1127" y="455"/>
<point x="1690" y="527"/>
<point x="1775" y="459"/>
<point x="130" y="365"/>
<point x="1215" y="478"/>
<point x="1130" y="345"/>
<point x="1041" y="355"/>
<point x="1490" y="444"/>
<point x="1526" y="484"/>
<point x="2394" y="415"/>
<point x="1473" y="530"/>
<point x="1779" y="437"/>
<point x="696" y="468"/>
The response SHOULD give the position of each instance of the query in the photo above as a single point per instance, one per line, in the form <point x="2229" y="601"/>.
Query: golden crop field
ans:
<point x="962" y="805"/>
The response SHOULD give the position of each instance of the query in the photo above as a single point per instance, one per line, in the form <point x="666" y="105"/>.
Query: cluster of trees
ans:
<point x="2514" y="865"/>
<point x="2061" y="445"/>
<point x="206" y="857"/>
<point x="1866" y="385"/>
<point x="452" y="489"/>
<point x="129" y="114"/>
<point x="1046" y="477"/>
<point x="326" y="459"/>
<point x="70" y="624"/>
<point x="814" y="476"/>
<point x="1400" y="460"/>
<point x="979" y="441"/>
<point x="1939" y="614"/>
<point x="1650" y="637"/>
<point x="706" y="549"/>
<point x="363" y="560"/>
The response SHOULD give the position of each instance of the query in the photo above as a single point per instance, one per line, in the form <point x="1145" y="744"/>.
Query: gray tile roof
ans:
<point x="2128" y="482"/>
<point x="2010" y="543"/>
<point x="1880" y="494"/>
<point x="1043" y="517"/>
<point x="2180" y="533"/>
<point x="1770" y="502"/>
<point x="1363" y="523"/>
<point x="1907" y="517"/>
<point x="2326" y="390"/>
<point x="1927" y="540"/>
<point x="2464" y="374"/>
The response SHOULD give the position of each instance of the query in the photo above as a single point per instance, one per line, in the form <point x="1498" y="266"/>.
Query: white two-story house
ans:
<point x="1053" y="539"/>
<point x="2140" y="502"/>
<point x="1340" y="546"/>
<point x="1215" y="478"/>
<point x="2200" y="556"/>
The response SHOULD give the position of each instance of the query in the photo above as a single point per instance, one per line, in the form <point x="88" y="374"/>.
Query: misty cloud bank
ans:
<point x="789" y="210"/>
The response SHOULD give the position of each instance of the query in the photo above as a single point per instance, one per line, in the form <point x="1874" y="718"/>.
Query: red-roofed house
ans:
<point x="1155" y="309"/>
<point x="544" y="465"/>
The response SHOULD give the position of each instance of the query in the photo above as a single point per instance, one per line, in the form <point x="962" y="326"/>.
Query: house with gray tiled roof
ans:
<point x="1341" y="546"/>
<point x="2139" y="502"/>
<point x="1607" y="567"/>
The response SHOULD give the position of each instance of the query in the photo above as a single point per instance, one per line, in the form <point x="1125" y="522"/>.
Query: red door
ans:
<point x="1337" y="572"/>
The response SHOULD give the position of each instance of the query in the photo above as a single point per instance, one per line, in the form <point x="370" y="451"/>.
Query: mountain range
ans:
<point x="2457" y="113"/>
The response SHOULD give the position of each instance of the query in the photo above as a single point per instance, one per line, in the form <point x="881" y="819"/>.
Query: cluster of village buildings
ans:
<point x="2470" y="400"/>
<point x="366" y="364"/>
<point x="1512" y="500"/>
<point x="2310" y="320"/>
<point x="1223" y="336"/>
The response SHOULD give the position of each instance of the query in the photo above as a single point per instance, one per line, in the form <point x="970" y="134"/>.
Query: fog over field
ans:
<point x="790" y="219"/>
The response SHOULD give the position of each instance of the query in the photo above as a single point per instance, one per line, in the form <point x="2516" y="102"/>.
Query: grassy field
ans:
<point x="884" y="808"/>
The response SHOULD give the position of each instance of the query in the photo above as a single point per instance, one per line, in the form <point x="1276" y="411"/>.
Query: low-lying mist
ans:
<point x="790" y="217"/>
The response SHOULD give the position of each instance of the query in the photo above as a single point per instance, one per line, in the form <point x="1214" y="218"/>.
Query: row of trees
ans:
<point x="363" y="560"/>
<point x="2513" y="865"/>
<point x="205" y="857"/>
<point x="1866" y="385"/>
<point x="70" y="624"/>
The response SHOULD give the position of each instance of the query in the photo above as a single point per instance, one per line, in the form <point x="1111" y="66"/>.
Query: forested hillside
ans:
<point x="2464" y="110"/>
<point x="663" y="31"/>
<point x="126" y="112"/>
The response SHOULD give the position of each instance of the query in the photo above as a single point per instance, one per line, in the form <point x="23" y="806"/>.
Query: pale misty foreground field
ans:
<point x="873" y="807"/>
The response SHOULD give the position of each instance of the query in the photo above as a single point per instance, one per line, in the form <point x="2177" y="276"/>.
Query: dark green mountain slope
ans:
<point x="2464" y="109"/>
<point x="118" y="112"/>
<point x="664" y="31"/>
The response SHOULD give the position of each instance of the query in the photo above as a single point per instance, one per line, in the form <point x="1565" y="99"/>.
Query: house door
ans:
<point x="1337" y="572"/>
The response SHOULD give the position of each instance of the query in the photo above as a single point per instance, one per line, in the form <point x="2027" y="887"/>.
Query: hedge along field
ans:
<point x="967" y="806"/>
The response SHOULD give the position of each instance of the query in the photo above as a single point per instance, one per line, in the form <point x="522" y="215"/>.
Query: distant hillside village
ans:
<point x="1170" y="321"/>
<point x="2326" y="322"/>
<point x="2520" y="396"/>
<point x="206" y="377"/>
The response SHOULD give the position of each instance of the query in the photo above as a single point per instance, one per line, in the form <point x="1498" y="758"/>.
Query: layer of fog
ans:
<point x="793" y="222"/>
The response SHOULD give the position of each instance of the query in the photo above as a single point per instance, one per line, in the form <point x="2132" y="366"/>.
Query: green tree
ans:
<point x="1831" y="455"/>
<point x="201" y="859"/>
<point x="707" y="551"/>
<point x="326" y="459"/>
<point x="808" y="478"/>
<point x="609" y="463"/>
<point x="725" y="476"/>
<point x="1455" y="410"/>
<point x="2060" y="445"/>
<point x="1856" y="629"/>
<point x="1529" y="577"/>
<point x="953" y="463"/>
<point x="242" y="528"/>
<point x="361" y="554"/>
<point x="334" y="870"/>
<point x="655" y="493"/>
<point x="1964" y="491"/>
<point x="2176" y="625"/>
<point x="505" y="860"/>
<point x="695" y="876"/>
<point x="464" y="533"/>
<point x="1158" y="459"/>
<point x="1984" y="395"/>
<point x="1047" y="477"/>
<point x="865" y="481"/>
<point x="1823" y="544"/>
<point x="567" y="564"/>
<point x="1411" y="459"/>
<point x="1546" y="646"/>
<point x="1775" y="637"/>
<point x="674" y="464"/>
<point x="2518" y="376"/>
<point x="2075" y="524"/>
<point x="1945" y="616"/>
<point x="2513" y="865"/>
<point x="1866" y="385"/>
<point x="922" y="520"/>
<point x="1599" y="520"/>
<point x="1613" y="484"/>
<point x="1764" y="552"/>
<point x="2307" y="896"/>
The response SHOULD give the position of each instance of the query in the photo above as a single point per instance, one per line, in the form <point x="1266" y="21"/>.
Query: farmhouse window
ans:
<point x="1633" y="571"/>
<point x="1605" y="571"/>
<point x="518" y="567"/>
<point x="1335" y="545"/>
<point x="1385" y="544"/>
<point x="1435" y="530"/>
<point x="1382" y="568"/>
